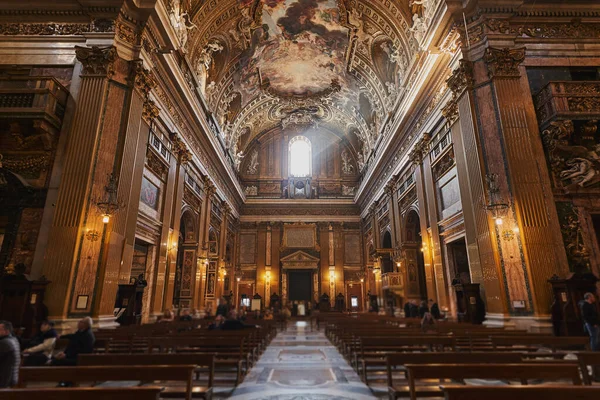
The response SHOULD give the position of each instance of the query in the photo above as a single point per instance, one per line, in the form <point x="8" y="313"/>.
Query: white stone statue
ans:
<point x="418" y="28"/>
<point x="253" y="164"/>
<point x="347" y="167"/>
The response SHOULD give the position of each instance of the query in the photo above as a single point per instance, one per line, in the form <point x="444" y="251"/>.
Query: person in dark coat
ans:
<point x="589" y="313"/>
<point x="185" y="315"/>
<point x="10" y="356"/>
<point x="80" y="342"/>
<point x="232" y="323"/>
<point x="423" y="309"/>
<point x="434" y="309"/>
<point x="414" y="309"/>
<point x="223" y="307"/>
<point x="407" y="309"/>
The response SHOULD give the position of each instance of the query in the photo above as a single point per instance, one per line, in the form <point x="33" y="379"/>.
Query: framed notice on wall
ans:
<point x="255" y="305"/>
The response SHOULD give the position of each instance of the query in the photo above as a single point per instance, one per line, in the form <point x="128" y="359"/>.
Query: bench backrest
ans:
<point x="181" y="373"/>
<point x="553" y="392"/>
<point x="90" y="393"/>
<point x="199" y="360"/>
<point x="588" y="359"/>
<point x="398" y="359"/>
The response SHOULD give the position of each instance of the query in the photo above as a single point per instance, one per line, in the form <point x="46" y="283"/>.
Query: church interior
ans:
<point x="364" y="187"/>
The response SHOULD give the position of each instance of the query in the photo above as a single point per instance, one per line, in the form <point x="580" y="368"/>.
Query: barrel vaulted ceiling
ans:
<point x="336" y="64"/>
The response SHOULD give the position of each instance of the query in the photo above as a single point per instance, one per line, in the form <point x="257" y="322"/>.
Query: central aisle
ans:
<point x="302" y="365"/>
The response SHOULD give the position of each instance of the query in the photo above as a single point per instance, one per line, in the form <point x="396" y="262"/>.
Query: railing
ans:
<point x="392" y="280"/>
<point x="568" y="100"/>
<point x="41" y="97"/>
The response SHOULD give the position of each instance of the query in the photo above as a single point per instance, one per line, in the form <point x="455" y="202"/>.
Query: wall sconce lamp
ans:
<point x="268" y="276"/>
<point x="238" y="278"/>
<point x="332" y="275"/>
<point x="496" y="208"/>
<point x="110" y="204"/>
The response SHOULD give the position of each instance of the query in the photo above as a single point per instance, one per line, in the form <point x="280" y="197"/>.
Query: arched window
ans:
<point x="300" y="156"/>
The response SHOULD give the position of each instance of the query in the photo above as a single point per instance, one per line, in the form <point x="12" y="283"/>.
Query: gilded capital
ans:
<point x="150" y="111"/>
<point x="504" y="63"/>
<point x="97" y="60"/>
<point x="209" y="187"/>
<point x="180" y="149"/>
<point x="450" y="111"/>
<point x="461" y="78"/>
<point x="143" y="80"/>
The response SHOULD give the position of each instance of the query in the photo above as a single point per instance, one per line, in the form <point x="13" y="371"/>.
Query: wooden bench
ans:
<point x="589" y="359"/>
<point x="534" y="342"/>
<point x="203" y="363"/>
<point x="142" y="373"/>
<point x="397" y="361"/>
<point x="137" y="393"/>
<point x="520" y="372"/>
<point x="541" y="392"/>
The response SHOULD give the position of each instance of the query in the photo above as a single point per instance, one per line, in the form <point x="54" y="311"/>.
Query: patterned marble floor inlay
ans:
<point x="300" y="367"/>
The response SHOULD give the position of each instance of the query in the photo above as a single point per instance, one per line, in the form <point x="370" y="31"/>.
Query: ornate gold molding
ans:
<point x="450" y="111"/>
<point x="57" y="29"/>
<point x="504" y="63"/>
<point x="97" y="60"/>
<point x="421" y="148"/>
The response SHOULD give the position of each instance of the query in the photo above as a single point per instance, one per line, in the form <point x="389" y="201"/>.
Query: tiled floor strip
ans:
<point x="302" y="365"/>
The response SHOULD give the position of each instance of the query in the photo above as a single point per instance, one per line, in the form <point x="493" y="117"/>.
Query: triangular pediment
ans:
<point x="300" y="257"/>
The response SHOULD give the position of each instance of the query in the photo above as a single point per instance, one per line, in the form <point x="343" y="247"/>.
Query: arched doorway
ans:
<point x="186" y="266"/>
<point x="413" y="257"/>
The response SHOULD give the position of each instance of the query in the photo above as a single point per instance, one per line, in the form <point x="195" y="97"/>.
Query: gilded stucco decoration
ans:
<point x="263" y="64"/>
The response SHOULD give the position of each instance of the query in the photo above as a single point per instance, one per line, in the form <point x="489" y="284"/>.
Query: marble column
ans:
<point x="72" y="261"/>
<point x="484" y="262"/>
<point x="513" y="151"/>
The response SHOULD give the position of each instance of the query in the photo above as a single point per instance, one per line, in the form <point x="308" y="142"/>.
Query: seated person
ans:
<point x="10" y="356"/>
<point x="428" y="322"/>
<point x="80" y="342"/>
<point x="233" y="324"/>
<point x="168" y="316"/>
<point x="268" y="315"/>
<point x="185" y="315"/>
<point x="217" y="323"/>
<point x="39" y="349"/>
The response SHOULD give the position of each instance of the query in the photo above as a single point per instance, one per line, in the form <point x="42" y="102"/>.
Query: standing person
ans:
<point x="39" y="349"/>
<point x="423" y="309"/>
<point x="414" y="309"/>
<point x="80" y="342"/>
<point x="407" y="309"/>
<point x="589" y="313"/>
<point x="222" y="308"/>
<point x="434" y="309"/>
<point x="10" y="356"/>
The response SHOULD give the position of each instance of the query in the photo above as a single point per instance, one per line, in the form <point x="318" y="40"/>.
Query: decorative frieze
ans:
<point x="504" y="63"/>
<point x="156" y="165"/>
<point x="97" y="60"/>
<point x="57" y="29"/>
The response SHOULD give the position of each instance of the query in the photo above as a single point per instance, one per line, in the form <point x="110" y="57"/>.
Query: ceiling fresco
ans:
<point x="335" y="65"/>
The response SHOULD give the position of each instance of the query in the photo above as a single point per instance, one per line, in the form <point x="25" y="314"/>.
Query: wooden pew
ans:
<point x="541" y="392"/>
<point x="459" y="372"/>
<point x="143" y="373"/>
<point x="90" y="393"/>
<point x="400" y="359"/>
<point x="203" y="362"/>
<point x="589" y="359"/>
<point x="533" y="342"/>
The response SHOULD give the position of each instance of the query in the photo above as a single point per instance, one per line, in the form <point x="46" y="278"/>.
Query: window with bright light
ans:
<point x="300" y="156"/>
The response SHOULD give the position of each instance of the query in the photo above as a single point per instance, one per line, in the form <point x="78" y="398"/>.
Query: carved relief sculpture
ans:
<point x="347" y="167"/>
<point x="253" y="164"/>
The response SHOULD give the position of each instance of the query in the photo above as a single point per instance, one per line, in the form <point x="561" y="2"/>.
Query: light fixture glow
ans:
<point x="105" y="219"/>
<point x="499" y="221"/>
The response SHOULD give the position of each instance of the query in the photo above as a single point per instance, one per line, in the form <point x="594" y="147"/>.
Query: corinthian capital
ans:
<point x="461" y="78"/>
<point x="97" y="60"/>
<point x="143" y="80"/>
<point x="150" y="111"/>
<point x="504" y="63"/>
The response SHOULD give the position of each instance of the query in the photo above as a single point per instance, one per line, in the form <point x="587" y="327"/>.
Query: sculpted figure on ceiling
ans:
<point x="181" y="22"/>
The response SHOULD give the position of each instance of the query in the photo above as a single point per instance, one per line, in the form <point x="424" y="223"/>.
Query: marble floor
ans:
<point x="300" y="364"/>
